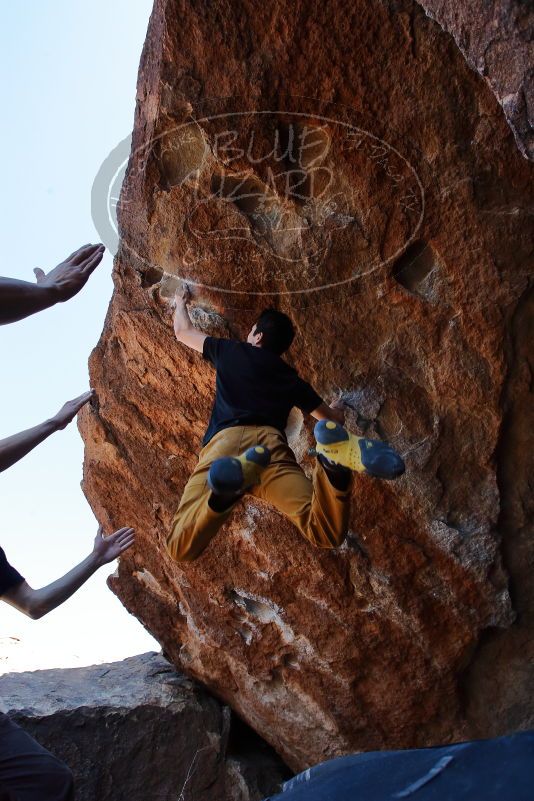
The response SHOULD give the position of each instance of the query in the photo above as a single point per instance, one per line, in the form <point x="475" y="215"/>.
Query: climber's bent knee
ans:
<point x="190" y="535"/>
<point x="177" y="555"/>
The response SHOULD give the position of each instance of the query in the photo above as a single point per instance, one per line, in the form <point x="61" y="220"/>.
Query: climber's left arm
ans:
<point x="326" y="412"/>
<point x="310" y="402"/>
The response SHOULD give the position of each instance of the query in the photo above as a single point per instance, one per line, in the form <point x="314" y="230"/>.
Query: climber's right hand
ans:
<point x="182" y="295"/>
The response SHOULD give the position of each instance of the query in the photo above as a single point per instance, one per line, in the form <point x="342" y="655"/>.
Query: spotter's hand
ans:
<point x="106" y="549"/>
<point x="70" y="409"/>
<point x="71" y="275"/>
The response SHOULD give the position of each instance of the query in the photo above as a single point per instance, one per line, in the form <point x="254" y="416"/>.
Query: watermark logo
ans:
<point x="263" y="202"/>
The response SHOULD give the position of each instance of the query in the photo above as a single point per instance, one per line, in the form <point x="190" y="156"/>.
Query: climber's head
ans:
<point x="273" y="331"/>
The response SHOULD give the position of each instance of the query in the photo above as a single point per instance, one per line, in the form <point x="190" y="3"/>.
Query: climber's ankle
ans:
<point x="340" y="477"/>
<point x="221" y="503"/>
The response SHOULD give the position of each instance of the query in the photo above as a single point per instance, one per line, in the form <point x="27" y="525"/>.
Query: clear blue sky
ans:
<point x="68" y="81"/>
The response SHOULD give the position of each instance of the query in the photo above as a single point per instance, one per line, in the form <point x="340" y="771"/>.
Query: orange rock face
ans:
<point x="346" y="165"/>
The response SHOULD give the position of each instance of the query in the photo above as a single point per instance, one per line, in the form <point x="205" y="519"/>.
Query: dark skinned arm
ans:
<point x="20" y="299"/>
<point x="14" y="448"/>
<point x="36" y="603"/>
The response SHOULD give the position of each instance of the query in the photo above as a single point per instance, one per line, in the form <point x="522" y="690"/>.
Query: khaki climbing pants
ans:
<point x="317" y="508"/>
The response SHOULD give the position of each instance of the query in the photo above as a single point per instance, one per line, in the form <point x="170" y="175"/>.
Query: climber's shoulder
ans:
<point x="216" y="348"/>
<point x="236" y="354"/>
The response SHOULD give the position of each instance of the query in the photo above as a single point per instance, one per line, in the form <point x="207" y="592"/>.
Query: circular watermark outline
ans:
<point x="108" y="182"/>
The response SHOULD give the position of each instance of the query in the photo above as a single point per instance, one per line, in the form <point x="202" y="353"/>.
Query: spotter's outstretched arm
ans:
<point x="36" y="603"/>
<point x="13" y="448"/>
<point x="20" y="299"/>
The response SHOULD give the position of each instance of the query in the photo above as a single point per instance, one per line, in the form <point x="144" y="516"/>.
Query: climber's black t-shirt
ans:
<point x="253" y="387"/>
<point x="9" y="577"/>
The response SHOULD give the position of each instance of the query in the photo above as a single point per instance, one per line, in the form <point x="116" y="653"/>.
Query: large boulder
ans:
<point x="345" y="164"/>
<point x="137" y="730"/>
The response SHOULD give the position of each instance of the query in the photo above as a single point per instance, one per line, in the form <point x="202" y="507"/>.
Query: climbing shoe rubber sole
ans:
<point x="370" y="456"/>
<point x="233" y="475"/>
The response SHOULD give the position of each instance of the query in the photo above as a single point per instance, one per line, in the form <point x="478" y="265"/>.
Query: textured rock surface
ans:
<point x="137" y="729"/>
<point x="497" y="38"/>
<point x="396" y="228"/>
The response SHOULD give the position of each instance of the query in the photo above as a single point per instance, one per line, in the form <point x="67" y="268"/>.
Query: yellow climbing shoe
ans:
<point x="371" y="456"/>
<point x="231" y="475"/>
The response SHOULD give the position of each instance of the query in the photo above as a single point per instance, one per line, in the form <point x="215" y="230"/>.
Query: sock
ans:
<point x="338" y="476"/>
<point x="220" y="503"/>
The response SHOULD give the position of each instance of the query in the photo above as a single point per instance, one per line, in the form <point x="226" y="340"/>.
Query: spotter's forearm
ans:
<point x="14" y="448"/>
<point x="56" y="593"/>
<point x="20" y="299"/>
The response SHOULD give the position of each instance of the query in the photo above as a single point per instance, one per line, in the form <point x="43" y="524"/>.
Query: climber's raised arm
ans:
<point x="15" y="447"/>
<point x="184" y="329"/>
<point x="19" y="299"/>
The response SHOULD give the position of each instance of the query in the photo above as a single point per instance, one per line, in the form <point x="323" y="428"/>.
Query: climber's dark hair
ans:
<point x="277" y="330"/>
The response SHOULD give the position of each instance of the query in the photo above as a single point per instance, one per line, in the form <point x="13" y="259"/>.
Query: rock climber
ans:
<point x="245" y="449"/>
<point x="27" y="770"/>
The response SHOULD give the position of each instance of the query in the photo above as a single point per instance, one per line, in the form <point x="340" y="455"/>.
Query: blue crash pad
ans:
<point x="501" y="769"/>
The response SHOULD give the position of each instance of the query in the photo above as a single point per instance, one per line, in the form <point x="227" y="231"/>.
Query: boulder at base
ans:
<point x="137" y="730"/>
